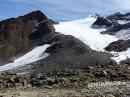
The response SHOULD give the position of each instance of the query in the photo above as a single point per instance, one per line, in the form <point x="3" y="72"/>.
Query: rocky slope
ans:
<point x="113" y="20"/>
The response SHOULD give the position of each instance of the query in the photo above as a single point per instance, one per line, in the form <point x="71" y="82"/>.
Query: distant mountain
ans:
<point x="93" y="41"/>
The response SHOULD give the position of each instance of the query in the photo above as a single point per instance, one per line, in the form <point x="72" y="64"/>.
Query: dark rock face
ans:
<point x="109" y="21"/>
<point x="103" y="22"/>
<point x="65" y="51"/>
<point x="118" y="46"/>
<point x="66" y="42"/>
<point x="14" y="33"/>
<point x="127" y="61"/>
<point x="35" y="15"/>
<point x="119" y="16"/>
<point x="42" y="32"/>
<point x="112" y="22"/>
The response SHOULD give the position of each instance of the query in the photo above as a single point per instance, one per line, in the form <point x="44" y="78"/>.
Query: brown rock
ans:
<point x="14" y="34"/>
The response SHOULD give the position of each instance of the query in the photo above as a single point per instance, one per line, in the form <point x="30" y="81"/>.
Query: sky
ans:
<point x="62" y="10"/>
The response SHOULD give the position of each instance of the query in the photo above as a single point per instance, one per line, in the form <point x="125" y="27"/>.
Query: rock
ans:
<point x="102" y="22"/>
<point x="73" y="80"/>
<point x="41" y="76"/>
<point x="48" y="87"/>
<point x="63" y="80"/>
<point x="110" y="95"/>
<point x="99" y="74"/>
<point x="14" y="33"/>
<point x="115" y="28"/>
<point x="111" y="20"/>
<point x="127" y="61"/>
<point x="50" y="81"/>
<point x="118" y="46"/>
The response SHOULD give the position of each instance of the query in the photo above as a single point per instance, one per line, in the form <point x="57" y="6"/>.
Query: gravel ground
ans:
<point x="89" y="82"/>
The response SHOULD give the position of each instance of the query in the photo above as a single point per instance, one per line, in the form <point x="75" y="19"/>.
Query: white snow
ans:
<point x="32" y="56"/>
<point x="122" y="55"/>
<point x="123" y="34"/>
<point x="82" y="30"/>
<point x="123" y="21"/>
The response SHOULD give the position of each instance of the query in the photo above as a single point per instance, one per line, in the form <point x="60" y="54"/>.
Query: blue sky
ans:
<point x="62" y="10"/>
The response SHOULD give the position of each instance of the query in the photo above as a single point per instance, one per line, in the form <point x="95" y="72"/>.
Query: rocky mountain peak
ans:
<point x="14" y="34"/>
<point x="35" y="15"/>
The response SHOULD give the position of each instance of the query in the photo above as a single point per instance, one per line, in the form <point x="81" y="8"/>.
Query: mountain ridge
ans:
<point x="72" y="44"/>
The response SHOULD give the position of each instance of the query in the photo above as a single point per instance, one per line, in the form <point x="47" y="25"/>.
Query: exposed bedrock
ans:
<point x="118" y="46"/>
<point x="14" y="33"/>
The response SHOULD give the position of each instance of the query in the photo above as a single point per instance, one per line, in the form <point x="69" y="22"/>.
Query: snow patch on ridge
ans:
<point x="32" y="56"/>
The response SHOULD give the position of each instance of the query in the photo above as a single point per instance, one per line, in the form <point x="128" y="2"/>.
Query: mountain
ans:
<point x="51" y="46"/>
<point x="14" y="34"/>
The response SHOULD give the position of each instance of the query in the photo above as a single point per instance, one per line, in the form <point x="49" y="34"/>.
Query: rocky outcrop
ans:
<point x="115" y="28"/>
<point x="113" y="23"/>
<point x="108" y="21"/>
<point x="119" y="16"/>
<point x="111" y="20"/>
<point x="102" y="22"/>
<point x="118" y="46"/>
<point x="44" y="34"/>
<point x="14" y="33"/>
